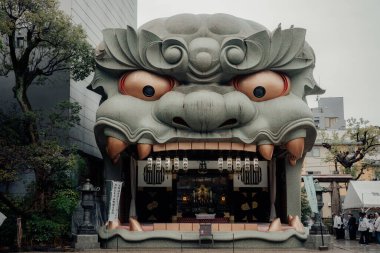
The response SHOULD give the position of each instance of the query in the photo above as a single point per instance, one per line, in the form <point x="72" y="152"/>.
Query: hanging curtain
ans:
<point x="272" y="185"/>
<point x="132" y="168"/>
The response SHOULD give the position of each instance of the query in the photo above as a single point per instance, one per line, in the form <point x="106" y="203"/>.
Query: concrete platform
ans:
<point x="341" y="246"/>
<point x="121" y="238"/>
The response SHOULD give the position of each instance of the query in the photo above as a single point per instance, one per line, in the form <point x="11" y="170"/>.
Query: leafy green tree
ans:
<point x="360" y="140"/>
<point x="51" y="197"/>
<point x="39" y="40"/>
<point x="305" y="206"/>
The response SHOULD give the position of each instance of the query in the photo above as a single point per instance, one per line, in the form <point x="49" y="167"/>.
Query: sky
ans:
<point x="344" y="34"/>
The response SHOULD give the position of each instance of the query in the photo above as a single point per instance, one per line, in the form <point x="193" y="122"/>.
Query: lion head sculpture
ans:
<point x="204" y="82"/>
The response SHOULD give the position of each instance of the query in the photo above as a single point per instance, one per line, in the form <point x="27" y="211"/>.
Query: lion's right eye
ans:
<point x="145" y="85"/>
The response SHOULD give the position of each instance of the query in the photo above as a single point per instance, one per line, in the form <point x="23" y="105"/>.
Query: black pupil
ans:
<point x="148" y="91"/>
<point x="259" y="92"/>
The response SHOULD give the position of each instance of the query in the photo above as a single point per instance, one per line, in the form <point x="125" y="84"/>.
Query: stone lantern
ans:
<point x="318" y="235"/>
<point x="88" y="192"/>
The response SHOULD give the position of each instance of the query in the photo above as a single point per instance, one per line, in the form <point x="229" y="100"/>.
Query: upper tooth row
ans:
<point x="295" y="148"/>
<point x="204" y="146"/>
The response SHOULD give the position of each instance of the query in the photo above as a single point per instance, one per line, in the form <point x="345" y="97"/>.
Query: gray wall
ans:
<point x="94" y="16"/>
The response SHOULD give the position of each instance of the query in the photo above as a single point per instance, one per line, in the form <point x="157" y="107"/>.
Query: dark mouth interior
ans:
<point x="182" y="122"/>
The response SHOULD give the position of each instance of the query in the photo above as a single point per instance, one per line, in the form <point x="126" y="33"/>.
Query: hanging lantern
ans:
<point x="167" y="165"/>
<point x="158" y="163"/>
<point x="229" y="164"/>
<point x="238" y="164"/>
<point x="256" y="164"/>
<point x="149" y="163"/>
<point x="220" y="164"/>
<point x="176" y="163"/>
<point x="185" y="164"/>
<point x="247" y="164"/>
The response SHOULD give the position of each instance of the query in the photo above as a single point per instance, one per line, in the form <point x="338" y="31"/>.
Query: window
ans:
<point x="330" y="122"/>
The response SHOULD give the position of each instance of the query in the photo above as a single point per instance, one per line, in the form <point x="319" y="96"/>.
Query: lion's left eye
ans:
<point x="263" y="85"/>
<point x="145" y="85"/>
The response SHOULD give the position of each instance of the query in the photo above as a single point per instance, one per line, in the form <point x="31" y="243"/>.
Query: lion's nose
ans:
<point x="204" y="110"/>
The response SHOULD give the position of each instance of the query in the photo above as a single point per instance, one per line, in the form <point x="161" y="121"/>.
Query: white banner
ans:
<point x="311" y="195"/>
<point x="114" y="199"/>
<point x="2" y="218"/>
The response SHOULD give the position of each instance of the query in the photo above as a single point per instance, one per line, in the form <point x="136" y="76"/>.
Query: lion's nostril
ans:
<point x="180" y="121"/>
<point x="229" y="122"/>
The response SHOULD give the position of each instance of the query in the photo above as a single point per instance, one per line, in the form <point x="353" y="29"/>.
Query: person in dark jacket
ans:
<point x="352" y="226"/>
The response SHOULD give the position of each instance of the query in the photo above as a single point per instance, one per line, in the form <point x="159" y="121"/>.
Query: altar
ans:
<point x="203" y="220"/>
<point x="203" y="216"/>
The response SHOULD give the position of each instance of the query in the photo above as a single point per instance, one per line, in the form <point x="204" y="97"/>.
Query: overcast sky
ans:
<point x="345" y="35"/>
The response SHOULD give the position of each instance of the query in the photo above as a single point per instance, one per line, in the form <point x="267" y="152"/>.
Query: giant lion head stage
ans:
<point x="210" y="101"/>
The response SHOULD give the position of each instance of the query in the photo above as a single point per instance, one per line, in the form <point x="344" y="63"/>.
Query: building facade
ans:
<point x="94" y="16"/>
<point x="329" y="120"/>
<point x="329" y="114"/>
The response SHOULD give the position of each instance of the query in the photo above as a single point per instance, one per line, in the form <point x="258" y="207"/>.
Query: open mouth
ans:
<point x="204" y="150"/>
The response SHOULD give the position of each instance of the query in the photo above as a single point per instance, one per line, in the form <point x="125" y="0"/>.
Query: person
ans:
<point x="352" y="226"/>
<point x="371" y="230"/>
<point x="377" y="227"/>
<point x="363" y="228"/>
<point x="338" y="227"/>
<point x="345" y="226"/>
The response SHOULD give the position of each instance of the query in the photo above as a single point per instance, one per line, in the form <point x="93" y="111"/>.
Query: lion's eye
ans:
<point x="263" y="85"/>
<point x="145" y="85"/>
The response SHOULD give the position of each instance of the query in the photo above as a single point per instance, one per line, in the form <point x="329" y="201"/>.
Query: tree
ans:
<point x="305" y="207"/>
<point x="49" y="200"/>
<point x="37" y="41"/>
<point x="360" y="140"/>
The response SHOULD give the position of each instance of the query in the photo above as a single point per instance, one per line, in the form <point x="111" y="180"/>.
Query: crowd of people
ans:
<point x="367" y="225"/>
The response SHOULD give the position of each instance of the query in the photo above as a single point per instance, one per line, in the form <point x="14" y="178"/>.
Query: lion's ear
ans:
<point x="114" y="56"/>
<point x="118" y="51"/>
<point x="104" y="83"/>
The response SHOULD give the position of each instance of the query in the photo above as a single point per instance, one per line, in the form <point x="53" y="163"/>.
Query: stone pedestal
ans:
<point x="86" y="242"/>
<point x="315" y="241"/>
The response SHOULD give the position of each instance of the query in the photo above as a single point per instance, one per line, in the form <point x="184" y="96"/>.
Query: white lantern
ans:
<point x="238" y="164"/>
<point x="220" y="164"/>
<point x="185" y="164"/>
<point x="158" y="163"/>
<point x="149" y="163"/>
<point x="229" y="164"/>
<point x="176" y="163"/>
<point x="247" y="164"/>
<point x="168" y="164"/>
<point x="255" y="164"/>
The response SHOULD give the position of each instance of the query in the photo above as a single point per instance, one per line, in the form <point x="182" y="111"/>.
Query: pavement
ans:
<point x="340" y="246"/>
